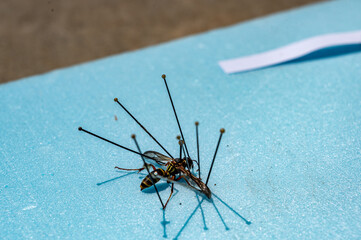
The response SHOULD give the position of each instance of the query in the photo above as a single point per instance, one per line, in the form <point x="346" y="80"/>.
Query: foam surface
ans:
<point x="288" y="165"/>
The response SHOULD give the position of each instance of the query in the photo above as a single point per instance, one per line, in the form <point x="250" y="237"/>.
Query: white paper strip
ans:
<point x="289" y="52"/>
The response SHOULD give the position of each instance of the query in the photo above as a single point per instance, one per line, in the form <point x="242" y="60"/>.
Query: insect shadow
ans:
<point x="160" y="187"/>
<point x="203" y="216"/>
<point x="164" y="222"/>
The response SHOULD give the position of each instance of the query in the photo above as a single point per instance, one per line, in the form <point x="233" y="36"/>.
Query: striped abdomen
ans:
<point x="147" y="182"/>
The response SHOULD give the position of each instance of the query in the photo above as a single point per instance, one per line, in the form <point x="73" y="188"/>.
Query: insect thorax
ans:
<point x="171" y="169"/>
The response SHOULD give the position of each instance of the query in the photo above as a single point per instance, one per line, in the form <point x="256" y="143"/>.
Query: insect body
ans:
<point x="147" y="181"/>
<point x="178" y="166"/>
<point x="175" y="170"/>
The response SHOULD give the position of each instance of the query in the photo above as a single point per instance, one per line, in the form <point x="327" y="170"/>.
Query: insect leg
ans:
<point x="151" y="165"/>
<point x="171" y="192"/>
<point x="136" y="169"/>
<point x="127" y="169"/>
<point x="180" y="177"/>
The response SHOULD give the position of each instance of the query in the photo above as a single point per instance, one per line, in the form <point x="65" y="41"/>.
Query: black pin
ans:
<point x="180" y="149"/>
<point x="116" y="144"/>
<point x="198" y="160"/>
<point x="175" y="113"/>
<point x="180" y="146"/>
<point x="184" y="153"/>
<point x="214" y="157"/>
<point x="146" y="167"/>
<point x="116" y="100"/>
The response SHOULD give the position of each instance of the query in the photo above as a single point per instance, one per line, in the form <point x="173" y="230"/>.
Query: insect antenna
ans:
<point x="214" y="157"/>
<point x="199" y="167"/>
<point x="116" y="100"/>
<point x="116" y="144"/>
<point x="175" y="113"/>
<point x="146" y="167"/>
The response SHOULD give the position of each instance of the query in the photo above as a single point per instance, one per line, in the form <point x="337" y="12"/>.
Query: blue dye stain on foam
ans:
<point x="292" y="168"/>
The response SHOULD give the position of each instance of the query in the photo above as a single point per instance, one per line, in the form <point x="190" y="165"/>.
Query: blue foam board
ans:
<point x="288" y="165"/>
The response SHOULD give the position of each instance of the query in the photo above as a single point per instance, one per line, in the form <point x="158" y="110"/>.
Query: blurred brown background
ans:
<point x="41" y="35"/>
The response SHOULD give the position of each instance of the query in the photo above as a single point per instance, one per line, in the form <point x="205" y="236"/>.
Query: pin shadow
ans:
<point x="113" y="179"/>
<point x="116" y="178"/>
<point x="203" y="218"/>
<point x="164" y="223"/>
<point x="161" y="187"/>
<point x="234" y="211"/>
<point x="189" y="218"/>
<point x="219" y="214"/>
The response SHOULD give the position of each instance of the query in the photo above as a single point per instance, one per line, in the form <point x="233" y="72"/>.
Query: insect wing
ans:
<point x="202" y="186"/>
<point x="179" y="183"/>
<point x="157" y="157"/>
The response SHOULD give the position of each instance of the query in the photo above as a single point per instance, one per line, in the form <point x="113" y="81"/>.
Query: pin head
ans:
<point x="115" y="99"/>
<point x="178" y="137"/>
<point x="196" y="123"/>
<point x="163" y="76"/>
<point x="133" y="136"/>
<point x="80" y="128"/>
<point x="222" y="130"/>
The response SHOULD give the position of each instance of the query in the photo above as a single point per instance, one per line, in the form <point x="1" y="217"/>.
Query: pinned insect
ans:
<point x="175" y="168"/>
